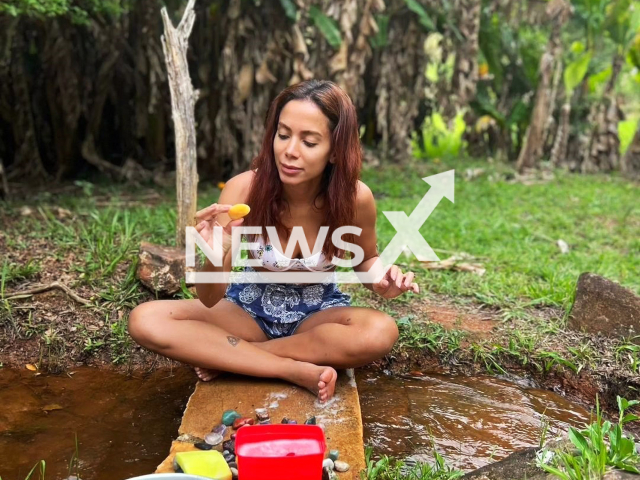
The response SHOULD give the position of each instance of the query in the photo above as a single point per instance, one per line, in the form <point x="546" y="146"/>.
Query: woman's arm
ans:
<point x="235" y="191"/>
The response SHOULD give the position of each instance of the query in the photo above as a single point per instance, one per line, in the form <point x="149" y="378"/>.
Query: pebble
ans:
<point x="328" y="474"/>
<point x="179" y="470"/>
<point x="213" y="438"/>
<point x="340" y="466"/>
<point x="233" y="436"/>
<point x="327" y="463"/>
<point x="262" y="414"/>
<point x="220" y="429"/>
<point x="334" y="454"/>
<point x="229" y="458"/>
<point x="225" y="452"/>
<point x="230" y="416"/>
<point x="234" y="473"/>
<point x="233" y="464"/>
<point x="203" y="446"/>
<point x="229" y="445"/>
<point x="241" y="422"/>
<point x="310" y="421"/>
<point x="175" y="465"/>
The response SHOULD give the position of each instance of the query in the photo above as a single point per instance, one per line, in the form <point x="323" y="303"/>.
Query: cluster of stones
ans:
<point x="231" y="418"/>
<point x="332" y="464"/>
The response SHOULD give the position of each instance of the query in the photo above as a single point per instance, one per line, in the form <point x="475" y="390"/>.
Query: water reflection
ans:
<point x="471" y="420"/>
<point x="124" y="425"/>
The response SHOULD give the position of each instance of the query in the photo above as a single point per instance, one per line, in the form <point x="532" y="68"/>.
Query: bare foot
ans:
<point x="321" y="381"/>
<point x="206" y="374"/>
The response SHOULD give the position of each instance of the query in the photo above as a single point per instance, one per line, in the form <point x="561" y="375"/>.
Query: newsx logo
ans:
<point x="407" y="236"/>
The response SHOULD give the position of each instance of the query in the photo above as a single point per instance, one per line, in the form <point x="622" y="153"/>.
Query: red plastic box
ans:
<point x="280" y="452"/>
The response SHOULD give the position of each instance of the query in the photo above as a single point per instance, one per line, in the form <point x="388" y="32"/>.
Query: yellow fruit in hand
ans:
<point x="239" y="210"/>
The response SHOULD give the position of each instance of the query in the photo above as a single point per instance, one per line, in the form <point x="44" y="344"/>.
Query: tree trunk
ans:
<point x="558" y="12"/>
<point x="175" y="42"/>
<point x="559" y="151"/>
<point x="400" y="88"/>
<point x="630" y="164"/>
<point x="27" y="162"/>
<point x="465" y="70"/>
<point x="603" y="147"/>
<point x="4" y="185"/>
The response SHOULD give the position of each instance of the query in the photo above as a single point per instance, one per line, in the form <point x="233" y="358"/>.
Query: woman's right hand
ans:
<point x="206" y="219"/>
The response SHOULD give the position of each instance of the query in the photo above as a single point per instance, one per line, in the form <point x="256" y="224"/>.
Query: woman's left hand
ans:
<point x="395" y="283"/>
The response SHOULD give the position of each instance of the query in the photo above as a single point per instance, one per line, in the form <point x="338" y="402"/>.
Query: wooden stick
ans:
<point x="44" y="288"/>
<point x="175" y="42"/>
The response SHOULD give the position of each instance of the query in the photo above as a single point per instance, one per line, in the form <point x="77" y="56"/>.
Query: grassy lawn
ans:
<point x="89" y="240"/>
<point x="512" y="228"/>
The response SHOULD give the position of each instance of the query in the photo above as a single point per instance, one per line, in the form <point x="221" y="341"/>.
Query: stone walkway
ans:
<point x="340" y="416"/>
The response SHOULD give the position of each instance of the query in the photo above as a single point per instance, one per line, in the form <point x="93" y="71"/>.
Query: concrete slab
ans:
<point x="340" y="416"/>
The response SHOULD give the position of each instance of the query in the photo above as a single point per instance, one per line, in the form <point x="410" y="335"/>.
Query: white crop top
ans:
<point x="275" y="261"/>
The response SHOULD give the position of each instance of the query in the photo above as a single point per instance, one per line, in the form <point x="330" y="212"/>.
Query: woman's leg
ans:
<point x="220" y="338"/>
<point x="343" y="337"/>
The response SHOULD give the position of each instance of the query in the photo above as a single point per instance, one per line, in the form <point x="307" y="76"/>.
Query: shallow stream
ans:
<point x="125" y="425"/>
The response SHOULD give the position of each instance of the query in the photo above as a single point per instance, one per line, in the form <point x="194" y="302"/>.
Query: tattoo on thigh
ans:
<point x="233" y="340"/>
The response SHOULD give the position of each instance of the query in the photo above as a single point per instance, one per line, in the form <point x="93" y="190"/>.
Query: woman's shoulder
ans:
<point x="364" y="194"/>
<point x="365" y="205"/>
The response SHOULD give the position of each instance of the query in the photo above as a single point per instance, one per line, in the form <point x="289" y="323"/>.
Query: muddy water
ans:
<point x="124" y="425"/>
<point x="472" y="421"/>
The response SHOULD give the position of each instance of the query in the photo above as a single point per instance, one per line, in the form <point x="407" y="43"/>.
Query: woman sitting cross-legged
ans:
<point x="306" y="175"/>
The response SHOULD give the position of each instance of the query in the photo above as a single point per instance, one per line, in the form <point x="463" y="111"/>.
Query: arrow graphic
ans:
<point x="407" y="227"/>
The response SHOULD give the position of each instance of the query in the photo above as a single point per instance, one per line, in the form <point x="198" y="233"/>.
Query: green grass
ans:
<point x="389" y="468"/>
<point x="509" y="227"/>
<point x="513" y="228"/>
<point x="598" y="448"/>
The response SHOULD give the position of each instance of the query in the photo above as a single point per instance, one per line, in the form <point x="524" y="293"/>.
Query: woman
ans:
<point x="305" y="175"/>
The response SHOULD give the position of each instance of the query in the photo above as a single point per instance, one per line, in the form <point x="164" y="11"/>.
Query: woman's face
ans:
<point x="302" y="145"/>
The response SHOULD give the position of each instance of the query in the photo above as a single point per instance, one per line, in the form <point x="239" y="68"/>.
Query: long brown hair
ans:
<point x="339" y="183"/>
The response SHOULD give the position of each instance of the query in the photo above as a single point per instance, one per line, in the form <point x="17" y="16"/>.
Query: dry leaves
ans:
<point x="457" y="263"/>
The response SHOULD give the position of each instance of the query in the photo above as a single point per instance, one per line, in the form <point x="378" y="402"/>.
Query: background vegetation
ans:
<point x="83" y="85"/>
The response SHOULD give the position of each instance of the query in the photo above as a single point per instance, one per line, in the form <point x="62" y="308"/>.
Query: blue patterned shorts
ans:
<point x="280" y="308"/>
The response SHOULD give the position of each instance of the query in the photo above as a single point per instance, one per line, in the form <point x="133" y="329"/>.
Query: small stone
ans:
<point x="241" y="422"/>
<point x="234" y="473"/>
<point x="265" y="422"/>
<point x="233" y="464"/>
<point x="340" y="466"/>
<point x="220" y="429"/>
<point x="229" y="445"/>
<point x="229" y="458"/>
<point x="328" y="474"/>
<point x="334" y="454"/>
<point x="203" y="446"/>
<point x="285" y="421"/>
<point x="175" y="464"/>
<point x="310" y="421"/>
<point x="327" y="463"/>
<point x="213" y="438"/>
<point x="230" y="416"/>
<point x="225" y="452"/>
<point x="233" y="436"/>
<point x="262" y="414"/>
<point x="179" y="470"/>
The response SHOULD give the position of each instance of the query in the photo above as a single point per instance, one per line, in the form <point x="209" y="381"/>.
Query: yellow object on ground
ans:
<point x="207" y="463"/>
<point x="238" y="211"/>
